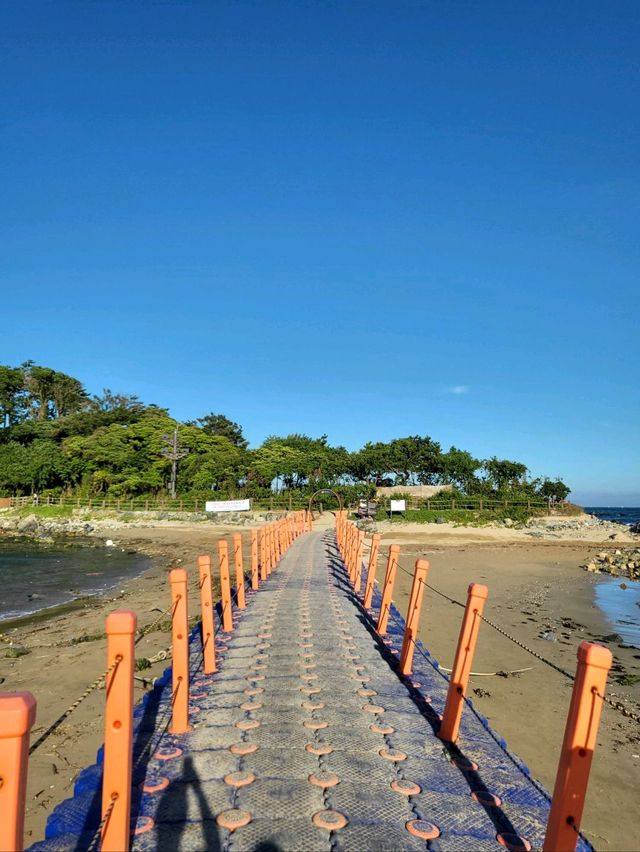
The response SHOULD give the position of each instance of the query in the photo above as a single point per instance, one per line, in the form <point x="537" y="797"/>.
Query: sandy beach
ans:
<point x="536" y="587"/>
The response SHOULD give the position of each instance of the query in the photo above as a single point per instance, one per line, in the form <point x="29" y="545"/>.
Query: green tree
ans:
<point x="414" y="459"/>
<point x="458" y="467"/>
<point x="67" y="395"/>
<point x="554" y="490"/>
<point x="39" y="382"/>
<point x="505" y="475"/>
<point x="215" y="463"/>
<point x="372" y="463"/>
<point x="12" y="389"/>
<point x="218" y="424"/>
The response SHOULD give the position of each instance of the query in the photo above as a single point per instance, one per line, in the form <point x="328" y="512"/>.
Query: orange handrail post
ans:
<point x="309" y="520"/>
<point x="263" y="553"/>
<point x="387" y="589"/>
<point x="276" y="544"/>
<point x="272" y="551"/>
<point x="17" y="717"/>
<point x="357" y="574"/>
<point x="180" y="652"/>
<point x="237" y="552"/>
<point x="371" y="570"/>
<point x="578" y="746"/>
<point x="206" y="609"/>
<point x="254" y="560"/>
<point x="118" y="731"/>
<point x="225" y="585"/>
<point x="350" y="546"/>
<point x="413" y="615"/>
<point x="476" y="599"/>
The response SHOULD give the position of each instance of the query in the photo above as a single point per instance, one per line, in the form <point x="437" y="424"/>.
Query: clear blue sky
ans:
<point x="370" y="219"/>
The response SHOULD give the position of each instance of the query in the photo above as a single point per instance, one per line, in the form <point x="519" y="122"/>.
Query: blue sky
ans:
<point x="370" y="219"/>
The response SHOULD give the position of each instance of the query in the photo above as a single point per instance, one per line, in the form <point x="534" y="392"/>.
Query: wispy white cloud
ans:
<point x="458" y="390"/>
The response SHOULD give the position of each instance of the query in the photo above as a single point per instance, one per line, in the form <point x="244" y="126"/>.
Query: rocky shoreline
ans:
<point x="86" y="523"/>
<point x="623" y="563"/>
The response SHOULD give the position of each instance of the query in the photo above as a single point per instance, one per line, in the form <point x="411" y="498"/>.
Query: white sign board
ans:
<point x="227" y="506"/>
<point x="398" y="505"/>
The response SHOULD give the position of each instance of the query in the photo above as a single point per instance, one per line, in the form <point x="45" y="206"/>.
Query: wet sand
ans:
<point x="534" y="587"/>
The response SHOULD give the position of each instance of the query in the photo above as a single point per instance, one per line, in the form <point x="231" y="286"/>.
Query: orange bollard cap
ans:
<point x="595" y="655"/>
<point x="18" y="714"/>
<point x="204" y="560"/>
<point x="121" y="622"/>
<point x="178" y="575"/>
<point x="394" y="548"/>
<point x="479" y="590"/>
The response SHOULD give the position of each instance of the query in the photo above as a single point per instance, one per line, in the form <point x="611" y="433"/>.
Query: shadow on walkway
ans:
<point x="472" y="777"/>
<point x="175" y="803"/>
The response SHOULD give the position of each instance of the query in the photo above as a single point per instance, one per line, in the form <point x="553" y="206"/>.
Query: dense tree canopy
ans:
<point x="55" y="438"/>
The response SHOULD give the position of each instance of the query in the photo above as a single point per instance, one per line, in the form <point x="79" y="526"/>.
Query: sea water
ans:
<point x="618" y="597"/>
<point x="35" y="576"/>
<point x="618" y="514"/>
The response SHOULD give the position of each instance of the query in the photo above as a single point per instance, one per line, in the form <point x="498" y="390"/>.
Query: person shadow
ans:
<point x="175" y="814"/>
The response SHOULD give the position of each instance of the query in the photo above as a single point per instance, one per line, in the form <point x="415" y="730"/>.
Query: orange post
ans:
<point x="413" y="615"/>
<point x="180" y="652"/>
<point x="387" y="588"/>
<point x="225" y="586"/>
<point x="371" y="570"/>
<point x="272" y="550"/>
<point x="476" y="599"/>
<point x="17" y="716"/>
<point x="350" y="547"/>
<point x="280" y="539"/>
<point x="309" y="521"/>
<point x="206" y="609"/>
<point x="578" y="746"/>
<point x="254" y="560"/>
<point x="118" y="731"/>
<point x="263" y="553"/>
<point x="357" y="574"/>
<point x="237" y="552"/>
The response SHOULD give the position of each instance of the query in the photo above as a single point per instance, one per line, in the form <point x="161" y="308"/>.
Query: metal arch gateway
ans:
<point x="323" y="491"/>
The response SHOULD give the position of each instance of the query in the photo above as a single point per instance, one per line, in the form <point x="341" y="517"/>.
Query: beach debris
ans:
<point x="109" y="543"/>
<point x="502" y="673"/>
<point x="548" y="636"/>
<point x="482" y="693"/>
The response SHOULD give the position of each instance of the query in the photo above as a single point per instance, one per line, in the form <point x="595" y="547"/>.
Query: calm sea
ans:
<point x="617" y="514"/>
<point x="620" y="605"/>
<point x="34" y="576"/>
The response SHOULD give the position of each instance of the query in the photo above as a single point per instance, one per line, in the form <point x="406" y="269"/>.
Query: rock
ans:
<point x="508" y="522"/>
<point x="592" y="567"/>
<point x="109" y="543"/>
<point x="623" y="586"/>
<point x="28" y="524"/>
<point x="612" y="637"/>
<point x="17" y="651"/>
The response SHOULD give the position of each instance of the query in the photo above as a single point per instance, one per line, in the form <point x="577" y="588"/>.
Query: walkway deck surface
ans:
<point x="306" y="739"/>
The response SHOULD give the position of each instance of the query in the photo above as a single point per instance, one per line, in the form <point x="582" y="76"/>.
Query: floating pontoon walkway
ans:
<point x="307" y="739"/>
